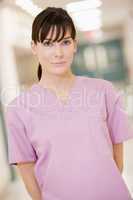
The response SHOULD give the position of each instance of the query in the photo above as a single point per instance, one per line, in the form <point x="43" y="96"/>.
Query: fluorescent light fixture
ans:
<point x="83" y="5"/>
<point x="88" y="20"/>
<point x="90" y="26"/>
<point x="88" y="14"/>
<point x="29" y="6"/>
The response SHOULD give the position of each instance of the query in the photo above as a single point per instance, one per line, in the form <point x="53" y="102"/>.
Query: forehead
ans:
<point x="53" y="32"/>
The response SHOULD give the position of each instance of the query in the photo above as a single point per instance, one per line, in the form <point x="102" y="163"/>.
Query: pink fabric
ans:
<point x="71" y="143"/>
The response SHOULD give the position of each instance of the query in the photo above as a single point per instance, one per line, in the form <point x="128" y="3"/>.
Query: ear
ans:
<point x="33" y="47"/>
<point x="75" y="46"/>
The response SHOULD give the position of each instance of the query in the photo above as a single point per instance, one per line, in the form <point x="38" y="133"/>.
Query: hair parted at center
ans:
<point x="49" y="19"/>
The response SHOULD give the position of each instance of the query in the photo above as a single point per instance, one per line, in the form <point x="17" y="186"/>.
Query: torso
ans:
<point x="73" y="145"/>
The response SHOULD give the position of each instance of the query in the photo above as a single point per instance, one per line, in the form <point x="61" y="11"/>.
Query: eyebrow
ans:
<point x="63" y="38"/>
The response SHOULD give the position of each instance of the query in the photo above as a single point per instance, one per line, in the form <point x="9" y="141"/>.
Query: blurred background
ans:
<point x="105" y="47"/>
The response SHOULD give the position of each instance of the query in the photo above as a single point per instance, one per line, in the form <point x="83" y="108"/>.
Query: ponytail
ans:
<point x="39" y="71"/>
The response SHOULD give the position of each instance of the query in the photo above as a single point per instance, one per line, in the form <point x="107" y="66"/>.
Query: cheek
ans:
<point x="70" y="53"/>
<point x="44" y="55"/>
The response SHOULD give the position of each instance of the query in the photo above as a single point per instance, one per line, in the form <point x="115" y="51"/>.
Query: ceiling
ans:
<point x="114" y="11"/>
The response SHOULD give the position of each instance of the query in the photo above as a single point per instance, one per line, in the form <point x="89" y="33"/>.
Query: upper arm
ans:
<point x="20" y="148"/>
<point x="117" y="118"/>
<point x="25" y="169"/>
<point x="23" y="166"/>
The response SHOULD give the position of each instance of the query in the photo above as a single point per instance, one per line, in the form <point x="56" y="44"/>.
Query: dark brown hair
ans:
<point x="49" y="18"/>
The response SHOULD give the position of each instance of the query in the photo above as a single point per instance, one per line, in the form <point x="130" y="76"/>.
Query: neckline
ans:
<point x="53" y="93"/>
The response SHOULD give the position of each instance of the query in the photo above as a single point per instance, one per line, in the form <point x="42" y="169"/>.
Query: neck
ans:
<point x="56" y="81"/>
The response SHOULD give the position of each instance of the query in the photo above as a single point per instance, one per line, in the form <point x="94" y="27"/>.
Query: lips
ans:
<point x="59" y="63"/>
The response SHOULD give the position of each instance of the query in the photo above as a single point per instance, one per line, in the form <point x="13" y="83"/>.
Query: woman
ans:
<point x="66" y="132"/>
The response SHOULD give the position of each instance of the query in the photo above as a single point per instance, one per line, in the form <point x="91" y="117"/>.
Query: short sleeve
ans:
<point x="19" y="146"/>
<point x="117" y="118"/>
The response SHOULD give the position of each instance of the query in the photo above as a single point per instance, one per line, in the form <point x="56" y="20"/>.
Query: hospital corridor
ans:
<point x="105" y="51"/>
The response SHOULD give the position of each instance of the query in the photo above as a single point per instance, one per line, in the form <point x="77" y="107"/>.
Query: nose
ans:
<point x="58" y="51"/>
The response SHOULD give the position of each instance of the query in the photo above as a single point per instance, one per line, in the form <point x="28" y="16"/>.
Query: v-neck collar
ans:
<point x="53" y="93"/>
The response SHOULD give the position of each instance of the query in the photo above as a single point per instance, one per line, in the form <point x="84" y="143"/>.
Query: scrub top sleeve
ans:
<point x="117" y="118"/>
<point x="19" y="146"/>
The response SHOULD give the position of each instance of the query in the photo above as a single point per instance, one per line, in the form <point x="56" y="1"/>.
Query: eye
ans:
<point x="66" y="42"/>
<point x="47" y="43"/>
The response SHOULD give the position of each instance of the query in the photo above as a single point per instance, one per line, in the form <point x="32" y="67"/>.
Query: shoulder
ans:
<point x="23" y="97"/>
<point x="103" y="87"/>
<point x="19" y="105"/>
<point x="19" y="108"/>
<point x="98" y="83"/>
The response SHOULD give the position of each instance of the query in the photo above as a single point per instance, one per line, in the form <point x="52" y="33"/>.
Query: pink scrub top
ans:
<point x="71" y="143"/>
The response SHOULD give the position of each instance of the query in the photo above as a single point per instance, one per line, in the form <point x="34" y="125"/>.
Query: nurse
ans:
<point x="66" y="132"/>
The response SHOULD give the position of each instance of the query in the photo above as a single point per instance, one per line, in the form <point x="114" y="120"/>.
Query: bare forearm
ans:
<point x="30" y="182"/>
<point x="33" y="189"/>
<point x="119" y="164"/>
<point x="118" y="155"/>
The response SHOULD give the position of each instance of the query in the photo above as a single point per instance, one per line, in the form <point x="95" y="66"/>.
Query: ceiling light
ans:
<point x="88" y="20"/>
<point x="83" y="5"/>
<point x="95" y="25"/>
<point x="88" y="14"/>
<point x="29" y="6"/>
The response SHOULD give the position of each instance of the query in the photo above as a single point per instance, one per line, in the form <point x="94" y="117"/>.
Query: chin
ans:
<point x="60" y="71"/>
